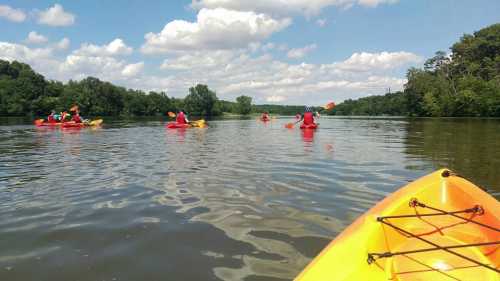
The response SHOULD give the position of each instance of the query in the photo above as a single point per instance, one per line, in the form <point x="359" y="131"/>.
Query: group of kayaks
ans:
<point x="440" y="227"/>
<point x="68" y="124"/>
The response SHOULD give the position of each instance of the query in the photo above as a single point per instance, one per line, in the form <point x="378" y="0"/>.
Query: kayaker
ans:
<point x="63" y="116"/>
<point x="181" y="117"/>
<point x="76" y="117"/>
<point x="307" y="117"/>
<point x="52" y="117"/>
<point x="265" y="116"/>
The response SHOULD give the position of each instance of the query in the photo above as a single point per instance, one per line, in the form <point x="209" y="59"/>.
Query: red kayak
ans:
<point x="310" y="126"/>
<point x="175" y="125"/>
<point x="43" y="123"/>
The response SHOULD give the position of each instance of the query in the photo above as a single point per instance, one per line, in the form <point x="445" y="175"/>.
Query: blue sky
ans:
<point x="277" y="51"/>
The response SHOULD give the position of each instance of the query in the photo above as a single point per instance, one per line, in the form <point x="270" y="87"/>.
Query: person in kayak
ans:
<point x="265" y="116"/>
<point x="181" y="117"/>
<point x="76" y="117"/>
<point x="63" y="116"/>
<point x="307" y="117"/>
<point x="52" y="117"/>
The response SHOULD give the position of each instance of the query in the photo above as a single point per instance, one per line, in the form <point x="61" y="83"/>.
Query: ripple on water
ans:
<point x="241" y="200"/>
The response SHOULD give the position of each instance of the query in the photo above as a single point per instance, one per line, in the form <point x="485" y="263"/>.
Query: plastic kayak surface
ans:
<point x="310" y="126"/>
<point x="43" y="123"/>
<point x="175" y="125"/>
<point x="193" y="124"/>
<point x="440" y="227"/>
<point x="72" y="124"/>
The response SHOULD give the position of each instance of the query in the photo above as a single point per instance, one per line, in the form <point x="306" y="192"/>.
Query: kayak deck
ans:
<point x="440" y="227"/>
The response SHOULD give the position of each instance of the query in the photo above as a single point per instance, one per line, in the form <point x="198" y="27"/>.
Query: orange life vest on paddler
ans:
<point x="181" y="119"/>
<point x="308" y="118"/>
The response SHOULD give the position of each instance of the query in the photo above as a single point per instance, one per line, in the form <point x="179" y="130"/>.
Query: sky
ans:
<point x="276" y="51"/>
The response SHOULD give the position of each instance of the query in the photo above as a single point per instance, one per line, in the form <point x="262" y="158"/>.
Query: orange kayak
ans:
<point x="440" y="227"/>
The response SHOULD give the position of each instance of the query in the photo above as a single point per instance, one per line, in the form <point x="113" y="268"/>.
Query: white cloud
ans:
<point x="301" y="52"/>
<point x="360" y="62"/>
<point x="56" y="16"/>
<point x="231" y="73"/>
<point x="12" y="51"/>
<point x="133" y="69"/>
<point x="214" y="29"/>
<point x="275" y="98"/>
<point x="11" y="14"/>
<point x="35" y="38"/>
<point x="280" y="7"/>
<point x="63" y="44"/>
<point x="114" y="48"/>
<point x="268" y="47"/>
<point x="321" y="22"/>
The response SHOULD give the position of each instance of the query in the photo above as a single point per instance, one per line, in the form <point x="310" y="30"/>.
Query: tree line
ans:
<point x="24" y="92"/>
<point x="464" y="83"/>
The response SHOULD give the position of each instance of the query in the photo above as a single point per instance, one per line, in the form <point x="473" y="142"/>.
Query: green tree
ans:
<point x="201" y="101"/>
<point x="244" y="105"/>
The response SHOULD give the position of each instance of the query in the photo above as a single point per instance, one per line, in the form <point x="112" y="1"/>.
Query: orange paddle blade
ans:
<point x="329" y="106"/>
<point x="289" y="125"/>
<point x="171" y="114"/>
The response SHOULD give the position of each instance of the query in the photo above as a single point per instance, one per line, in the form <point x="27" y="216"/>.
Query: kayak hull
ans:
<point x="309" y="126"/>
<point x="175" y="125"/>
<point x="47" y="124"/>
<point x="194" y="124"/>
<point x="346" y="257"/>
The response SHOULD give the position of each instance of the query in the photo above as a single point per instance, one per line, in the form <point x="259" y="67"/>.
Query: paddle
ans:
<point x="171" y="114"/>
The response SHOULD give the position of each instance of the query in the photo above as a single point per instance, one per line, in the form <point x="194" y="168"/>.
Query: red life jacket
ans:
<point x="51" y="119"/>
<point x="181" y="119"/>
<point x="308" y="118"/>
<point x="76" y="118"/>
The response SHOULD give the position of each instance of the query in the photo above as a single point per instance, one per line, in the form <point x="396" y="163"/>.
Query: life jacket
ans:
<point x="181" y="118"/>
<point x="308" y="118"/>
<point x="264" y="116"/>
<point x="51" y="118"/>
<point x="76" y="118"/>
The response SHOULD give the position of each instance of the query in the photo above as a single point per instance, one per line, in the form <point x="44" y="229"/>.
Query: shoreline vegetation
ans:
<point x="463" y="83"/>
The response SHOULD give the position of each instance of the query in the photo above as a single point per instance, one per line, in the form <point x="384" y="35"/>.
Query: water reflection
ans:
<point x="471" y="147"/>
<point x="236" y="201"/>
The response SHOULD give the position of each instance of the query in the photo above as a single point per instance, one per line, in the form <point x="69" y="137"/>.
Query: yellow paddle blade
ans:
<point x="96" y="122"/>
<point x="171" y="114"/>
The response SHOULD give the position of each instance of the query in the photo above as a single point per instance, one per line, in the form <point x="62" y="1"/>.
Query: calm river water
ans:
<point x="241" y="200"/>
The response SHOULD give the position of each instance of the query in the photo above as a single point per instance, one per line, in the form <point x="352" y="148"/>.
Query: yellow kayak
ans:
<point x="440" y="227"/>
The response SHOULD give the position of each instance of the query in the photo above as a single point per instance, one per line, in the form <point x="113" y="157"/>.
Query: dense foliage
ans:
<point x="464" y="83"/>
<point x="25" y="92"/>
